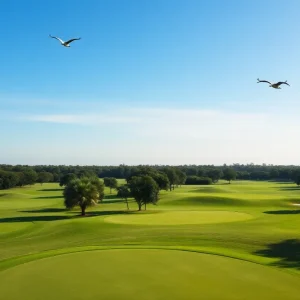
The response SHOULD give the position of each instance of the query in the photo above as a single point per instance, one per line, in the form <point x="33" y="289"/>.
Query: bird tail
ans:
<point x="258" y="80"/>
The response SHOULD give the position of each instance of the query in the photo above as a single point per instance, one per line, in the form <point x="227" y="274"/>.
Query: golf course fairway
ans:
<point x="179" y="218"/>
<point x="145" y="274"/>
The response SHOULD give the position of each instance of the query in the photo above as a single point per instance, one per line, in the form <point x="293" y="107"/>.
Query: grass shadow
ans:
<point x="50" y="190"/>
<point x="49" y="197"/>
<point x="33" y="219"/>
<point x="45" y="210"/>
<point x="290" y="188"/>
<point x="287" y="252"/>
<point x="119" y="200"/>
<point x="282" y="212"/>
<point x="113" y="196"/>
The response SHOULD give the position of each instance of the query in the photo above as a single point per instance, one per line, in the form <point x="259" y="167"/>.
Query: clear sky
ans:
<point x="150" y="82"/>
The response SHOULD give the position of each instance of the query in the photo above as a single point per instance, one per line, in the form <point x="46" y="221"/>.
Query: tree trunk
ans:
<point x="127" y="203"/>
<point x="83" y="207"/>
<point x="140" y="205"/>
<point x="145" y="206"/>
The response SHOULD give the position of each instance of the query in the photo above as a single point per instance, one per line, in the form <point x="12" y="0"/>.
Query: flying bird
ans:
<point x="274" y="85"/>
<point x="67" y="43"/>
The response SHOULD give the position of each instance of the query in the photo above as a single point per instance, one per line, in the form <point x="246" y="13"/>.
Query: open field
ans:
<point x="251" y="230"/>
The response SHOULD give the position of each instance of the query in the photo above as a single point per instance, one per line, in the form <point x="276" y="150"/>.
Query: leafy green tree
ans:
<point x="99" y="185"/>
<point x="110" y="182"/>
<point x="274" y="174"/>
<point x="180" y="177"/>
<point x="124" y="193"/>
<point x="45" y="177"/>
<point x="229" y="174"/>
<point x="214" y="174"/>
<point x="80" y="192"/>
<point x="172" y="176"/>
<point x="66" y="178"/>
<point x="144" y="190"/>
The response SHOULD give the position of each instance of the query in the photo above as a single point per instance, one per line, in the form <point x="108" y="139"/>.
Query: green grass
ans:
<point x="179" y="218"/>
<point x="35" y="225"/>
<point x="146" y="274"/>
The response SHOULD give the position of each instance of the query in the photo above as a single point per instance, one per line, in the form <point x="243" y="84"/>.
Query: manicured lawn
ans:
<point x="252" y="221"/>
<point x="146" y="274"/>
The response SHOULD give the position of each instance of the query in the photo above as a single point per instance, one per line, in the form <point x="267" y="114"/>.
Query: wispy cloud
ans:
<point x="80" y="119"/>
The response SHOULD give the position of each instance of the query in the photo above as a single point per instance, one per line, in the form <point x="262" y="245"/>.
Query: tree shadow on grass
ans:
<point x="107" y="213"/>
<point x="50" y="190"/>
<point x="33" y="219"/>
<point x="113" y="196"/>
<point x="283" y="212"/>
<point x="287" y="252"/>
<point x="49" y="197"/>
<point x="116" y="201"/>
<point x="45" y="210"/>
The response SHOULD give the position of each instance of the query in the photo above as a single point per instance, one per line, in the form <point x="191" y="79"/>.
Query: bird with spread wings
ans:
<point x="67" y="43"/>
<point x="274" y="85"/>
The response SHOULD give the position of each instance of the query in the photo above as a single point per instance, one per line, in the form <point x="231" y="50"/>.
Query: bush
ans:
<point x="198" y="180"/>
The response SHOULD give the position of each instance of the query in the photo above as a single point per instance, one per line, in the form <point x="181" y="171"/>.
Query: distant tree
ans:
<point x="229" y="174"/>
<point x="66" y="178"/>
<point x="8" y="179"/>
<point x="30" y="177"/>
<point x="124" y="193"/>
<point x="144" y="190"/>
<point x="297" y="180"/>
<point x="80" y="192"/>
<point x="180" y="177"/>
<point x="214" y="174"/>
<point x="161" y="179"/>
<point x="195" y="180"/>
<point x="110" y="182"/>
<point x="274" y="174"/>
<point x="44" y="177"/>
<point x="171" y="173"/>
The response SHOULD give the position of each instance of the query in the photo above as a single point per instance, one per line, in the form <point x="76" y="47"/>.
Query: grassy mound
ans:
<point x="179" y="218"/>
<point x="145" y="274"/>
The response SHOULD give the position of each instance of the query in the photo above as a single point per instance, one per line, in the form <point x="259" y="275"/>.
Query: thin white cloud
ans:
<point x="80" y="119"/>
<point x="176" y="136"/>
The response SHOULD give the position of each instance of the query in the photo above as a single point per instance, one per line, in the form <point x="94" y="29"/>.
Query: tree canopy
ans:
<point x="144" y="190"/>
<point x="82" y="192"/>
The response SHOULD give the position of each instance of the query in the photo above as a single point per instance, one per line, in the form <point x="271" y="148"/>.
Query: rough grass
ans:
<point x="34" y="223"/>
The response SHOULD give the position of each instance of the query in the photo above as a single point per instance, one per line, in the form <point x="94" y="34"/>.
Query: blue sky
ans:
<point x="150" y="82"/>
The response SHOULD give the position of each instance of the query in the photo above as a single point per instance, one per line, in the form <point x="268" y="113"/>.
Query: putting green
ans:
<point x="145" y="274"/>
<point x="179" y="218"/>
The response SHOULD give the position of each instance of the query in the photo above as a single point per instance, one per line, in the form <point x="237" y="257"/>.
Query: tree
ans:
<point x="80" y="192"/>
<point x="66" y="178"/>
<point x="45" y="177"/>
<point x="124" y="193"/>
<point x="229" y="174"/>
<point x="214" y="174"/>
<point x="27" y="177"/>
<point x="180" y="177"/>
<point x="144" y="190"/>
<point x="172" y="176"/>
<point x="110" y="182"/>
<point x="99" y="185"/>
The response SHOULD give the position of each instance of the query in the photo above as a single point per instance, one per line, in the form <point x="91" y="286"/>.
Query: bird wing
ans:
<point x="54" y="37"/>
<point x="258" y="81"/>
<point x="282" y="82"/>
<point x="70" y="41"/>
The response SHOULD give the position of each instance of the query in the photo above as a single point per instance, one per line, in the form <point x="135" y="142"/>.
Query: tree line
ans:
<point x="20" y="175"/>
